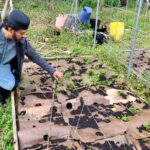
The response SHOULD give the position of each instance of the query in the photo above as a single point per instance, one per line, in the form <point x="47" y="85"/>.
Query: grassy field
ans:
<point x="41" y="35"/>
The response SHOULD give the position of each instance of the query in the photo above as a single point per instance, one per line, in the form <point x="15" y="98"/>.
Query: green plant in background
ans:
<point x="89" y="3"/>
<point x="133" y="110"/>
<point x="85" y="26"/>
<point x="125" y="118"/>
<point x="67" y="75"/>
<point x="147" y="126"/>
<point x="115" y="3"/>
<point x="70" y="85"/>
<point x="89" y="72"/>
<point x="21" y="87"/>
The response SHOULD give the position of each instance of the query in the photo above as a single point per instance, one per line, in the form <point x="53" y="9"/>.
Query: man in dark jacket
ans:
<point x="13" y="47"/>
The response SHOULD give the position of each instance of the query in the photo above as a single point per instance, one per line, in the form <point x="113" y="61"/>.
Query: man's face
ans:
<point x="17" y="35"/>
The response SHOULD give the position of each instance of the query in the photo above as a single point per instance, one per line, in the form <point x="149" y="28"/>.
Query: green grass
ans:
<point x="6" y="133"/>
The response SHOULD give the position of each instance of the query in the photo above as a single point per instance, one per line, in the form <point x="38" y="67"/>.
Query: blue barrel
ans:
<point x="85" y="14"/>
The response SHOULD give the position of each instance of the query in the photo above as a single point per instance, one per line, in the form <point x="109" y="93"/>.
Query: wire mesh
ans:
<point x="135" y="39"/>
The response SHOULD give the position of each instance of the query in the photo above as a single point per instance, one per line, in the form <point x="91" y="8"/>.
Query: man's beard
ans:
<point x="14" y="36"/>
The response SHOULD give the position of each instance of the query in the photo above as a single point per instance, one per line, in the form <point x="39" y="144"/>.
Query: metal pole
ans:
<point x="134" y="38"/>
<point x="97" y="11"/>
<point x="76" y="11"/>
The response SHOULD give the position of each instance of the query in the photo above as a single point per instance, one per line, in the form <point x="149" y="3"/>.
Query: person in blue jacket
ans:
<point x="13" y="47"/>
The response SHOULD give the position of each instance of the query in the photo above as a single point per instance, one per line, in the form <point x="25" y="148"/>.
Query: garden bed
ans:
<point x="92" y="109"/>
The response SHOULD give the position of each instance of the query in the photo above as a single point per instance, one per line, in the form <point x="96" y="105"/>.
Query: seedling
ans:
<point x="96" y="67"/>
<point x="67" y="75"/>
<point x="87" y="60"/>
<point x="106" y="82"/>
<point x="125" y="118"/>
<point x="95" y="80"/>
<point x="21" y="87"/>
<point x="71" y="85"/>
<point x="89" y="72"/>
<point x="31" y="81"/>
<point x="90" y="148"/>
<point x="79" y="79"/>
<point x="103" y="72"/>
<point x="122" y="93"/>
<point x="59" y="82"/>
<point x="147" y="126"/>
<point x="78" y="60"/>
<point x="133" y="110"/>
<point x="21" y="78"/>
<point x="59" y="90"/>
<point x="77" y="72"/>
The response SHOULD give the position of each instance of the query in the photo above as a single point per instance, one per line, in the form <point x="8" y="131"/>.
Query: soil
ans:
<point x="89" y="110"/>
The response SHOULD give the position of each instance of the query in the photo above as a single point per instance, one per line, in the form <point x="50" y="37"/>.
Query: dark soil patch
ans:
<point x="109" y="145"/>
<point x="83" y="122"/>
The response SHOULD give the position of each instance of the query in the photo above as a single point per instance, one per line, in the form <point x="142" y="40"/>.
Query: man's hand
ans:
<point x="57" y="75"/>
